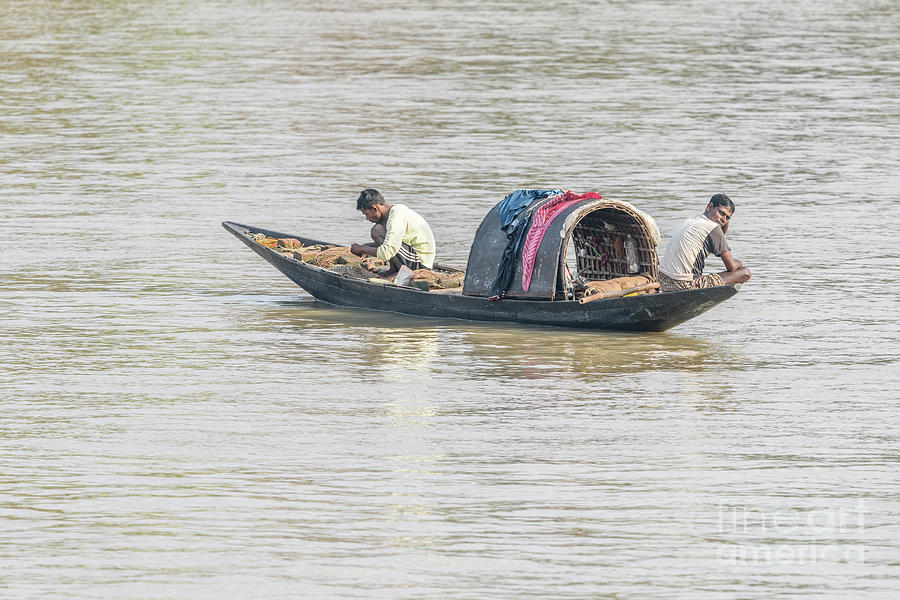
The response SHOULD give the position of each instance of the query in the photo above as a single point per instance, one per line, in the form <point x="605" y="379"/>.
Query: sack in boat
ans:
<point x="305" y="254"/>
<point x="614" y="285"/>
<point x="632" y="281"/>
<point x="348" y="259"/>
<point x="426" y="274"/>
<point x="263" y="240"/>
<point x="450" y="281"/>
<point x="373" y="263"/>
<point x="439" y="280"/>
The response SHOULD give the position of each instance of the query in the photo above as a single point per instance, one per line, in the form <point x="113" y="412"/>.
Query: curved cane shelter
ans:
<point x="598" y="231"/>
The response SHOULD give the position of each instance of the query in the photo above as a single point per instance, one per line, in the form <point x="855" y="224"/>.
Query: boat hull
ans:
<point x="649" y="312"/>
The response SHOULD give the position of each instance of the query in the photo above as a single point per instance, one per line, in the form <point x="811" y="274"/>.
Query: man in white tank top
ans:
<point x="682" y="266"/>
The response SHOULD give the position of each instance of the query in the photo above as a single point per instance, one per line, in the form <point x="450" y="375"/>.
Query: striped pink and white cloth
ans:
<point x="540" y="222"/>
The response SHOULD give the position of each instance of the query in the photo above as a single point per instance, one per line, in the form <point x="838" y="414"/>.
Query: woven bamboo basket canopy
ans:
<point x="594" y="226"/>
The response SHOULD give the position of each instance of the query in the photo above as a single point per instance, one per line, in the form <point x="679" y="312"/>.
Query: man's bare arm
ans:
<point x="731" y="263"/>
<point x="363" y="249"/>
<point x="737" y="272"/>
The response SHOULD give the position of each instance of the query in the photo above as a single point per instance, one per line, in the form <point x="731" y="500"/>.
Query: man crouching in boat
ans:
<point x="401" y="235"/>
<point x="682" y="266"/>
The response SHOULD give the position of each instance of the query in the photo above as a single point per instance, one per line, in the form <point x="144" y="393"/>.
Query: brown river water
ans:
<point x="179" y="420"/>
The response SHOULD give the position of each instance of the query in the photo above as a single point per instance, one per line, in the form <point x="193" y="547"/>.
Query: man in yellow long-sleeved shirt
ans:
<point x="401" y="235"/>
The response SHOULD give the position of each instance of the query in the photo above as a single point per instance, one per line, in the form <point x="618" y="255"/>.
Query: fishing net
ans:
<point x="340" y="260"/>
<point x="357" y="271"/>
<point x="335" y="255"/>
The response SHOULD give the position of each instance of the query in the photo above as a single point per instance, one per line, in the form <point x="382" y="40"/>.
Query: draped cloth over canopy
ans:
<point x="515" y="218"/>
<point x="541" y="222"/>
<point x="597" y="227"/>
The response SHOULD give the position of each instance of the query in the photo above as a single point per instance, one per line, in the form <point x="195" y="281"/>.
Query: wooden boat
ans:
<point x="549" y="298"/>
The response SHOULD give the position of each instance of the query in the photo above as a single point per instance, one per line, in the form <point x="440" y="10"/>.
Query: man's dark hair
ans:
<point x="367" y="198"/>
<point x="722" y="200"/>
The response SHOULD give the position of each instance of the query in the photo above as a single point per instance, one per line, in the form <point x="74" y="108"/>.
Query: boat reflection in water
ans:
<point x="404" y="349"/>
